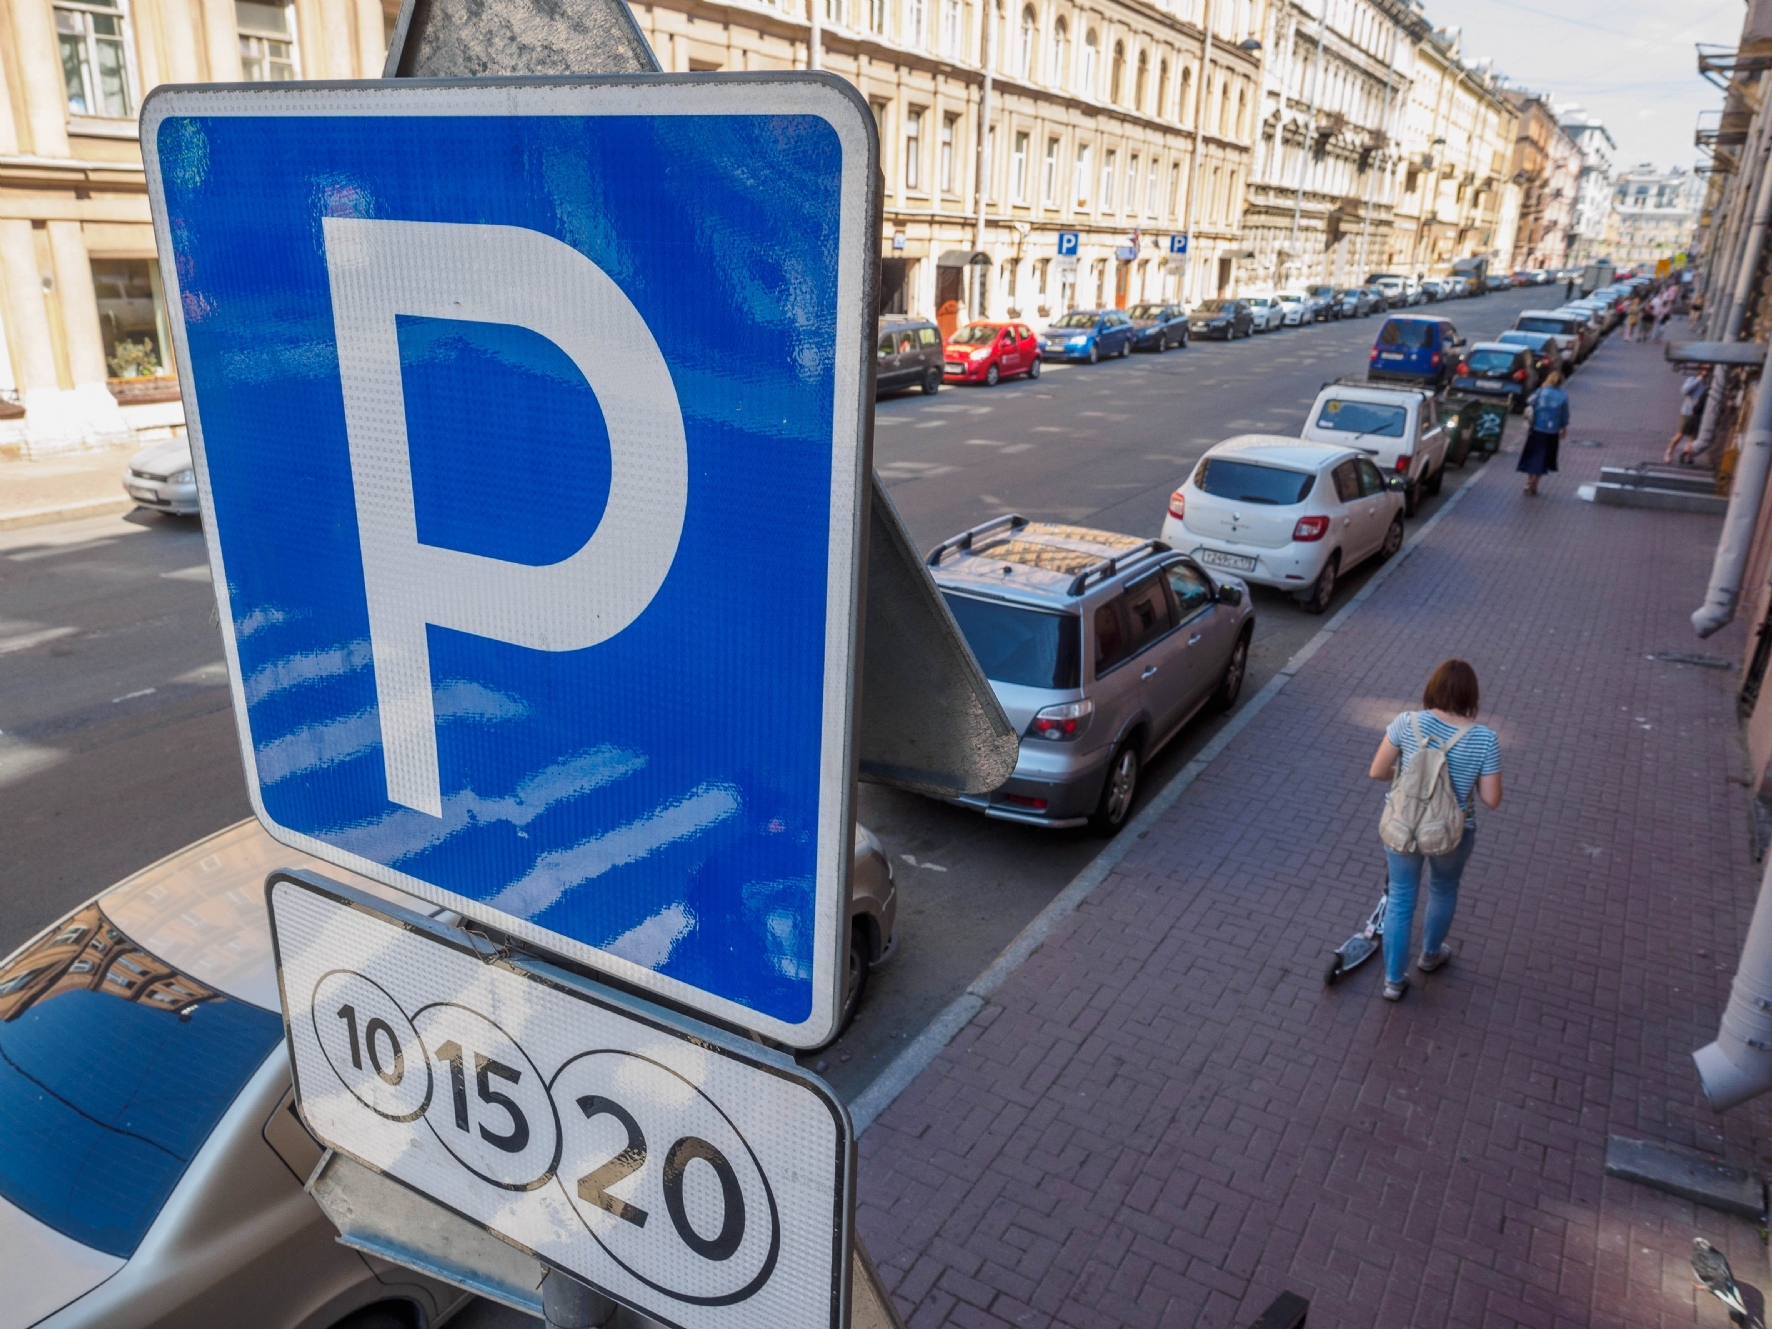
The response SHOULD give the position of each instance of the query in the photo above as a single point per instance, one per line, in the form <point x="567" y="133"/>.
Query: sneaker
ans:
<point x="1395" y="991"/>
<point x="1432" y="961"/>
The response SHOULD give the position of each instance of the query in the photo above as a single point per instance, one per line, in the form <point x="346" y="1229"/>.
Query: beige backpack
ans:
<point x="1422" y="814"/>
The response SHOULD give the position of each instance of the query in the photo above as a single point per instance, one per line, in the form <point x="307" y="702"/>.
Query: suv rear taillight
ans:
<point x="1178" y="505"/>
<point x="1060" y="723"/>
<point x="1374" y="354"/>
<point x="1464" y="367"/>
<point x="1311" y="528"/>
<point x="1403" y="464"/>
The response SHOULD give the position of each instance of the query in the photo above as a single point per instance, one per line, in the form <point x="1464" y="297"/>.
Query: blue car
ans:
<point x="1089" y="334"/>
<point x="1158" y="327"/>
<point x="1416" y="349"/>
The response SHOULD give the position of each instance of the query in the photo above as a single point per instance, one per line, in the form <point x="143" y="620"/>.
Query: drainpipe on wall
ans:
<point x="989" y="9"/>
<point x="815" y="40"/>
<point x="1738" y="1066"/>
<point x="1193" y="161"/>
<point x="1751" y="469"/>
<point x="1310" y="133"/>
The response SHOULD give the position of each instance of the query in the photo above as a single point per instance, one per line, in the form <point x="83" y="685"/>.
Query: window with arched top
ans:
<point x="1024" y="55"/>
<point x="1162" y="105"/>
<point x="1088" y="76"/>
<point x="1117" y="74"/>
<point x="1184" y="110"/>
<point x="1058" y="54"/>
<point x="1243" y="112"/>
<point x="1224" y="111"/>
<point x="1141" y="83"/>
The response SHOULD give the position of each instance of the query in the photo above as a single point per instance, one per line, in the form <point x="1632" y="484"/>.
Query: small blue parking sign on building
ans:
<point x="1178" y="244"/>
<point x="529" y="424"/>
<point x="1067" y="244"/>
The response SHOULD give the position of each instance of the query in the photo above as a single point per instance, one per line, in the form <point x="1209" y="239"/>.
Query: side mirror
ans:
<point x="1230" y="595"/>
<point x="1396" y="483"/>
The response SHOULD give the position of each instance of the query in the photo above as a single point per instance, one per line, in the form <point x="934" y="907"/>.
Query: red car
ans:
<point x="987" y="352"/>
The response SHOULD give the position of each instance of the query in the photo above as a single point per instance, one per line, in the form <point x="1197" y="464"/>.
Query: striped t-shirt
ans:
<point x="1477" y="753"/>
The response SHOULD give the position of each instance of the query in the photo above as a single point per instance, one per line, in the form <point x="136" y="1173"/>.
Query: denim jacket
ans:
<point x="1550" y="410"/>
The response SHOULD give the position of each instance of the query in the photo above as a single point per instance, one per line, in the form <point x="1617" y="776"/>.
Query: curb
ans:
<point x="92" y="507"/>
<point x="957" y="1014"/>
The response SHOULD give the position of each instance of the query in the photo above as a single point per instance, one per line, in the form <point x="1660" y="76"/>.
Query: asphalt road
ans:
<point x="117" y="742"/>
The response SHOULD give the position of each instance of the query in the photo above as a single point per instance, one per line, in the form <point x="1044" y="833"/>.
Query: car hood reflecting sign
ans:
<point x="699" y="1179"/>
<point x="531" y="430"/>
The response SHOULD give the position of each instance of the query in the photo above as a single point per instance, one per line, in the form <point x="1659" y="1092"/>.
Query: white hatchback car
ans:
<point x="1286" y="513"/>
<point x="1398" y="425"/>
<point x="160" y="477"/>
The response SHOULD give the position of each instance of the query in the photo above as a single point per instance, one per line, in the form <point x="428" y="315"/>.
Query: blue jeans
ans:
<point x="1443" y="871"/>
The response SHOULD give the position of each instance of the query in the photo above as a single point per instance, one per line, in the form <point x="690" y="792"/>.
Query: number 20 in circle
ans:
<point x="663" y="1180"/>
<point x="371" y="1045"/>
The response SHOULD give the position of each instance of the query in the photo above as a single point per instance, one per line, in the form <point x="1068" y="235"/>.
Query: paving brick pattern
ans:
<point x="1164" y="1118"/>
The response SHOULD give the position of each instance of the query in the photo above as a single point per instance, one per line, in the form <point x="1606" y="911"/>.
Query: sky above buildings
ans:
<point x="1631" y="63"/>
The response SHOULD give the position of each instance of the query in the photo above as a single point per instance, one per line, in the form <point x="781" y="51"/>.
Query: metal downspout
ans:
<point x="1193" y="160"/>
<point x="1738" y="1066"/>
<point x="1749" y="489"/>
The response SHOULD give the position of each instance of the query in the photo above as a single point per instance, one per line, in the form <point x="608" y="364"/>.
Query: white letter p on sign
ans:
<point x="493" y="274"/>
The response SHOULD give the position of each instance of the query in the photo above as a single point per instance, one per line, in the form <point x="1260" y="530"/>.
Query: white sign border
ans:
<point x="587" y="990"/>
<point x="814" y="94"/>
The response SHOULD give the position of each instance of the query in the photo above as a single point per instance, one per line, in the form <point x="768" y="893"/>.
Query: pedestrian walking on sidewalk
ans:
<point x="1663" y="309"/>
<point x="1568" y="290"/>
<point x="1692" y="394"/>
<point x="1446" y="722"/>
<point x="1633" y="318"/>
<point x="1550" y="421"/>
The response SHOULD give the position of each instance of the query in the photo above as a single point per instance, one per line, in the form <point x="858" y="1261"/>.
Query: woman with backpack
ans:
<point x="1550" y="421"/>
<point x="1439" y="761"/>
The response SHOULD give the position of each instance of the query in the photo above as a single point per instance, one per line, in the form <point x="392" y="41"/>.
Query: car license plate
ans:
<point x="1490" y="383"/>
<point x="1219" y="559"/>
<point x="956" y="369"/>
<point x="1390" y="355"/>
<point x="145" y="495"/>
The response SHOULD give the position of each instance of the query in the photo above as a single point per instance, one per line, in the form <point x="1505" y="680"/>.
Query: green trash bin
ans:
<point x="1475" y="427"/>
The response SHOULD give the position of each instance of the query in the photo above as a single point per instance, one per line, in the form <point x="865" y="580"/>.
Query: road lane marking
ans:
<point x="199" y="572"/>
<point x="23" y="641"/>
<point x="131" y="696"/>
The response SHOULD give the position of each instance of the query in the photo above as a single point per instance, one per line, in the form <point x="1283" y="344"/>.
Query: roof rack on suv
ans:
<point x="1380" y="385"/>
<point x="1010" y="521"/>
<point x="1107" y="567"/>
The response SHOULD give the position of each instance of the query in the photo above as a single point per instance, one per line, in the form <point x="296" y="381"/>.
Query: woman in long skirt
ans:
<point x="1550" y="421"/>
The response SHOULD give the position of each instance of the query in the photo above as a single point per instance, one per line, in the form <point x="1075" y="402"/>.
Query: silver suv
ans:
<point x="1100" y="647"/>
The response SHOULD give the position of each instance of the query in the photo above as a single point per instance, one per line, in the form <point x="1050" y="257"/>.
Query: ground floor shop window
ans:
<point x="131" y="317"/>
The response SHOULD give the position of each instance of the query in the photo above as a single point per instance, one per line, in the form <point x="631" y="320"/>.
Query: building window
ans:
<point x="1018" y="170"/>
<point x="1058" y="53"/>
<point x="1049" y="175"/>
<point x="1142" y="84"/>
<point x="1040" y="270"/>
<point x="1088" y="75"/>
<point x="1184" y="112"/>
<point x="1243" y="113"/>
<point x="946" y="155"/>
<point x="1024" y="64"/>
<point x="1117" y="74"/>
<point x="950" y="28"/>
<point x="131" y="317"/>
<point x="913" y="150"/>
<point x="1109" y="165"/>
<point x="1132" y="184"/>
<point x="1162" y="107"/>
<point x="94" y="66"/>
<point x="1100" y="267"/>
<point x="1080" y="181"/>
<point x="877" y="16"/>
<point x="267" y="47"/>
<point x="914" y="34"/>
<point x="1150" y="191"/>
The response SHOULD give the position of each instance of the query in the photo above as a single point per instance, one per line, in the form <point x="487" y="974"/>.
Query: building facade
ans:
<point x="1323" y="186"/>
<point x="1458" y="129"/>
<point x="1654" y="215"/>
<point x="1593" y="185"/>
<point x="1546" y="164"/>
<point x="85" y="359"/>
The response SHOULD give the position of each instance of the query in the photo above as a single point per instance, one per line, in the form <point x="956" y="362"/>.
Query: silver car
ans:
<point x="152" y="1172"/>
<point x="1101" y="647"/>
<point x="160" y="477"/>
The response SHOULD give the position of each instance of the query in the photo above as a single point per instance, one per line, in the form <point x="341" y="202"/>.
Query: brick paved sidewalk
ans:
<point x="1164" y="1118"/>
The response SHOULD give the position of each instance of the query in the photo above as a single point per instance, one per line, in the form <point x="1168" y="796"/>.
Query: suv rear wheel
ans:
<point x="931" y="382"/>
<point x="1436" y="482"/>
<point x="1118" y="792"/>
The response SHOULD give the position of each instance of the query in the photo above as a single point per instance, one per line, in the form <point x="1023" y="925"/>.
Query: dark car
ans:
<point x="1228" y="319"/>
<point x="1498" y="369"/>
<point x="1417" y="348"/>
<point x="1354" y="301"/>
<point x="908" y="355"/>
<point x="1381" y="300"/>
<point x="1548" y="353"/>
<point x="1158" y="327"/>
<point x="1324" y="302"/>
<point x="1088" y="334"/>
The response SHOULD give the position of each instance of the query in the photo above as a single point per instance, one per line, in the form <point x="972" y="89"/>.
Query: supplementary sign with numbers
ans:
<point x="698" y="1178"/>
<point x="530" y="428"/>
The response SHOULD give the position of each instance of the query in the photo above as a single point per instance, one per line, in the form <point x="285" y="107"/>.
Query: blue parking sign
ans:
<point x="1178" y="244"/>
<point x="1067" y="244"/>
<point x="530" y="431"/>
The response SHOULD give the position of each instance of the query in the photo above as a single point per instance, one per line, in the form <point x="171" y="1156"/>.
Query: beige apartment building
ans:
<point x="1097" y="116"/>
<point x="1324" y="186"/>
<point x="85" y="359"/>
<point x="1457" y="199"/>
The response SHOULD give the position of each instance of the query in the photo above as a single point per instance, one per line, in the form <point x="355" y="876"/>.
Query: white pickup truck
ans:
<point x="1399" y="427"/>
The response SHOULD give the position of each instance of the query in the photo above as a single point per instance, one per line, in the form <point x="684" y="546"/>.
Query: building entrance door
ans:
<point x="895" y="285"/>
<point x="949" y="288"/>
<point x="1224" y="276"/>
<point x="1122" y="282"/>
